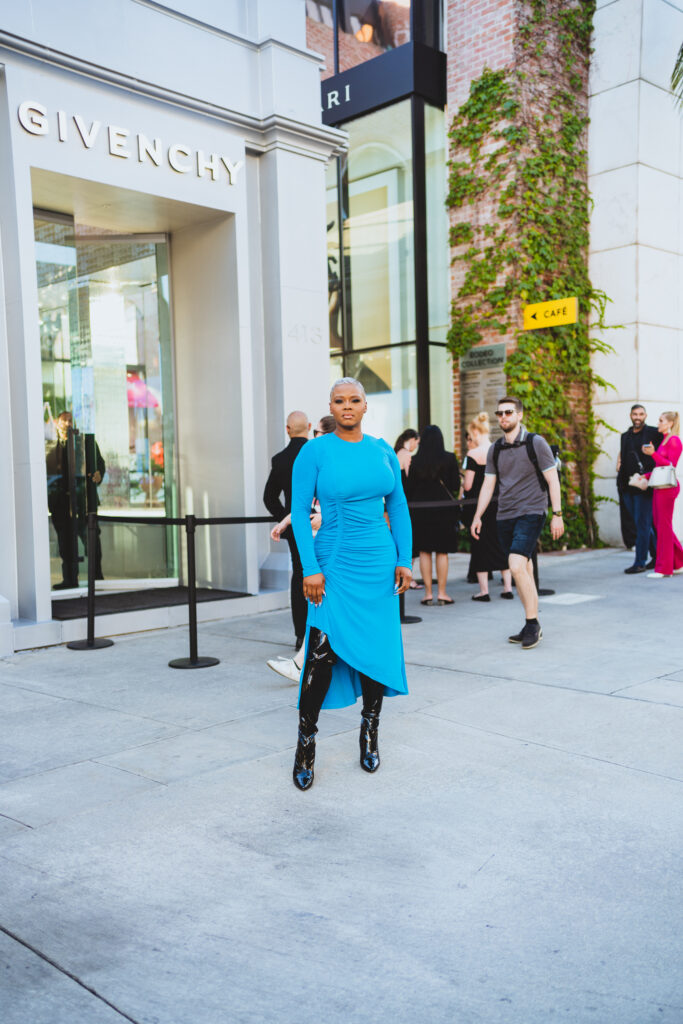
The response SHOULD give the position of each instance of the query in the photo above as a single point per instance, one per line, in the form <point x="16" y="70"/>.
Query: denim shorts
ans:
<point x="519" y="536"/>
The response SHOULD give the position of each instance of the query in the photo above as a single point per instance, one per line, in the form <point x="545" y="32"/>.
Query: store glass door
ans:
<point x="107" y="372"/>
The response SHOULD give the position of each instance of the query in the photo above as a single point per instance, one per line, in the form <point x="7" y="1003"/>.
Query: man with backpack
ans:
<point x="524" y="468"/>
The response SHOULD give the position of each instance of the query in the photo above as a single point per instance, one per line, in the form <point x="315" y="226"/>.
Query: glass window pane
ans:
<point x="368" y="28"/>
<point x="378" y="231"/>
<point x="336" y="371"/>
<point x="441" y="392"/>
<point x="390" y="380"/>
<point x="334" y="284"/>
<point x="106" y="359"/>
<point x="438" y="254"/>
<point x="428" y="23"/>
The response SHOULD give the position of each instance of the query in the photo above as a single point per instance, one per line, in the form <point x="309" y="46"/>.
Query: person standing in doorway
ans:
<point x="634" y="459"/>
<point x="67" y="498"/>
<point x="279" y="483"/>
<point x="524" y="468"/>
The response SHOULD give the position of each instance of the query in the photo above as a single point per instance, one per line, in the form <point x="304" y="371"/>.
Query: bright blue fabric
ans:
<point x="358" y="554"/>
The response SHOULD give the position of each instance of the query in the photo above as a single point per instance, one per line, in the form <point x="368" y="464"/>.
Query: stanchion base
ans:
<point x="408" y="620"/>
<point x="83" y="645"/>
<point x="189" y="663"/>
<point x="544" y="592"/>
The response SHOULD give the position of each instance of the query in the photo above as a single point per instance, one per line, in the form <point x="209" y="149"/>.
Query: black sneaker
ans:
<point x="635" y="568"/>
<point x="517" y="637"/>
<point x="531" y="635"/>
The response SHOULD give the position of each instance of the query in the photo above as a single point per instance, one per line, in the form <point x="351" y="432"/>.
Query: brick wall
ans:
<point x="320" y="38"/>
<point x="480" y="34"/>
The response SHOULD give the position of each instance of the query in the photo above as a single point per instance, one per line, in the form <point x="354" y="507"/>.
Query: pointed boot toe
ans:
<point x="303" y="778"/>
<point x="369" y="762"/>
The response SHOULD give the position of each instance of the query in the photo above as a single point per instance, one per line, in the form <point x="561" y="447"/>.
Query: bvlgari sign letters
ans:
<point x="122" y="143"/>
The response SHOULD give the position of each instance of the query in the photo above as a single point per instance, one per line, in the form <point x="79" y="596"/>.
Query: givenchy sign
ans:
<point x="124" y="144"/>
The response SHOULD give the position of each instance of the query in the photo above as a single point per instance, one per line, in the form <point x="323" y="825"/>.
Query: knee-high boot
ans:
<point x="373" y="693"/>
<point x="317" y="676"/>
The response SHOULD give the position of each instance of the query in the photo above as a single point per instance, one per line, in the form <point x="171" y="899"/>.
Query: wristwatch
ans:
<point x="557" y="514"/>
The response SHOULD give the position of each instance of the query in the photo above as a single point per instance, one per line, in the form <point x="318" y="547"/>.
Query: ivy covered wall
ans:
<point x="519" y="207"/>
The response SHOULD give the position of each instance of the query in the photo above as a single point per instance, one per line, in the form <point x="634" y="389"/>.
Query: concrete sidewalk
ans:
<point x="517" y="858"/>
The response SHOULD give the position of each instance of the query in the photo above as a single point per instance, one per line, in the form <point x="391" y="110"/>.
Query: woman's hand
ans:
<point x="316" y="522"/>
<point x="403" y="578"/>
<point x="648" y="449"/>
<point x="314" y="588"/>
<point x="279" y="528"/>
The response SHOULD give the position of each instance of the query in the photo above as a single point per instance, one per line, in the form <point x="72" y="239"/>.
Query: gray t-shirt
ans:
<point x="520" y="492"/>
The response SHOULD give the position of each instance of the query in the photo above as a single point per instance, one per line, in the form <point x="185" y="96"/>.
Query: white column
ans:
<point x="636" y="256"/>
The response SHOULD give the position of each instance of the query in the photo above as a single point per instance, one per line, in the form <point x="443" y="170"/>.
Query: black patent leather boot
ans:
<point x="373" y="693"/>
<point x="317" y="676"/>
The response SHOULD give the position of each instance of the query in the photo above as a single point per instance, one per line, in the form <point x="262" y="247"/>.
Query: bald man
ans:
<point x="280" y="483"/>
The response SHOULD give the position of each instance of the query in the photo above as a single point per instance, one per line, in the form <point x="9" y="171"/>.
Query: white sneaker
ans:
<point x="286" y="667"/>
<point x="659" y="575"/>
<point x="677" y="572"/>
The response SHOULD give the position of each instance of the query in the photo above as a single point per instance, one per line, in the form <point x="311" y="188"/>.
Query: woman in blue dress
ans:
<point x="353" y="573"/>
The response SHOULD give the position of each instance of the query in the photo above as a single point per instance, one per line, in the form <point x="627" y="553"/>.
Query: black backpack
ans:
<point x="528" y="443"/>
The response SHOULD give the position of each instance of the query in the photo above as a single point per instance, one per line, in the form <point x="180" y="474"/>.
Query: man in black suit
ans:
<point x="280" y="483"/>
<point x="67" y="497"/>
<point x="638" y="503"/>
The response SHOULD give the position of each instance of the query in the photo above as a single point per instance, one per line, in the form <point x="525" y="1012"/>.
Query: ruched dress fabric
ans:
<point x="358" y="553"/>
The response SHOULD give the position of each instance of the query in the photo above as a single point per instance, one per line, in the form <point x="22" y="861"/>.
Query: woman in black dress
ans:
<point x="487" y="554"/>
<point x="434" y="476"/>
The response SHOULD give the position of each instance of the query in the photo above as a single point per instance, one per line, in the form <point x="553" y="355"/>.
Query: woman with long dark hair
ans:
<point x="434" y="476"/>
<point x="405" y="446"/>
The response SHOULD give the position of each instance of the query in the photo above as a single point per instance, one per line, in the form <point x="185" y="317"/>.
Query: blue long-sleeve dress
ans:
<point x="358" y="553"/>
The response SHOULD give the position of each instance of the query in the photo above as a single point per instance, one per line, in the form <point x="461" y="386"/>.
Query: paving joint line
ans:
<point x="546" y="686"/>
<point x="8" y="817"/>
<point x="68" y="974"/>
<point x="550" y="746"/>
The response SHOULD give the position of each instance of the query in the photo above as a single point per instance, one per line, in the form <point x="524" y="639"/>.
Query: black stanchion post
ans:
<point x="542" y="591"/>
<point x="194" y="661"/>
<point x="406" y="620"/>
<point x="91" y="644"/>
<point x="73" y="501"/>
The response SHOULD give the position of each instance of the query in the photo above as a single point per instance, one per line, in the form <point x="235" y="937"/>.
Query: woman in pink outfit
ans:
<point x="669" y="558"/>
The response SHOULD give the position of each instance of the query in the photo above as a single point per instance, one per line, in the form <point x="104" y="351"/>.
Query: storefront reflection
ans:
<point x="106" y="357"/>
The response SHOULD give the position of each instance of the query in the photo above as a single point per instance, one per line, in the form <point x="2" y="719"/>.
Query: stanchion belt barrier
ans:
<point x="191" y="522"/>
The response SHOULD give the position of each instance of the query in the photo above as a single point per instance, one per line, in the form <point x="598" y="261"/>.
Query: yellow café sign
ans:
<point x="551" y="314"/>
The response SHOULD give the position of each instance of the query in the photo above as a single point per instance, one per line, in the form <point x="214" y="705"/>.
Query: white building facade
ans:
<point x="635" y="172"/>
<point x="162" y="277"/>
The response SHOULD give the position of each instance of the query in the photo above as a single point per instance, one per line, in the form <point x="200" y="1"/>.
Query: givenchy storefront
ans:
<point x="162" y="292"/>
